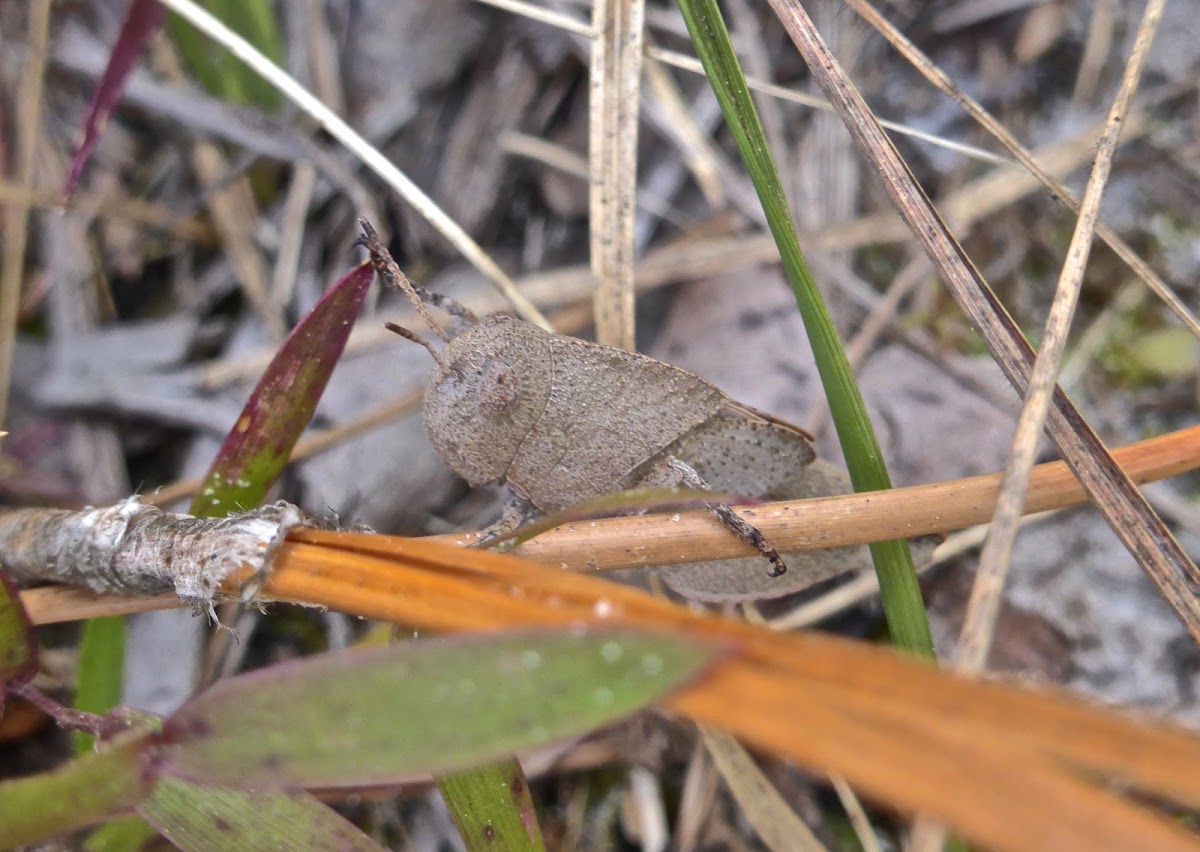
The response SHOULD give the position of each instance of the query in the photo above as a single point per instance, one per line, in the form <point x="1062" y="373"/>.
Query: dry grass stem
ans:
<point x="135" y="210"/>
<point x="703" y="160"/>
<point x="566" y="161"/>
<point x="773" y="820"/>
<point x="696" y="797"/>
<point x="857" y="814"/>
<point x="56" y="604"/>
<point x="628" y="542"/>
<point x="1124" y="508"/>
<point x="548" y="153"/>
<point x="295" y="214"/>
<point x="866" y="585"/>
<point x="1095" y="48"/>
<point x="16" y="231"/>
<point x="231" y="205"/>
<point x="534" y="12"/>
<point x="943" y="82"/>
<point x="616" y="75"/>
<point x="987" y="592"/>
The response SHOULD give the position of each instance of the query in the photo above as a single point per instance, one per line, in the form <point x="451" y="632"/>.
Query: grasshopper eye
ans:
<point x="497" y="389"/>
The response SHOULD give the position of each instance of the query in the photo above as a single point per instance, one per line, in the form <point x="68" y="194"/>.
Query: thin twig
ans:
<point x="794" y="525"/>
<point x="132" y="548"/>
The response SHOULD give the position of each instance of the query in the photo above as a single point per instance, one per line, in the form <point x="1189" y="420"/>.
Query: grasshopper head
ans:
<point x="491" y="382"/>
<point x="490" y="387"/>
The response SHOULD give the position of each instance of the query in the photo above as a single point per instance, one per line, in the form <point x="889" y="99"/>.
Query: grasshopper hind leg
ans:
<point x="738" y="525"/>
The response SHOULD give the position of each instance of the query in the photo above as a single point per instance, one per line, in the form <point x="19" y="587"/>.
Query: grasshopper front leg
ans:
<point x="517" y="511"/>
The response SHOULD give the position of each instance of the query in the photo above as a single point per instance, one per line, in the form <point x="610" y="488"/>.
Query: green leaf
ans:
<point x="893" y="561"/>
<point x="257" y="449"/>
<point x="221" y="73"/>
<point x="101" y="672"/>
<point x="82" y="792"/>
<point x="121" y="835"/>
<point x="380" y="715"/>
<point x="18" y="646"/>
<point x="200" y="818"/>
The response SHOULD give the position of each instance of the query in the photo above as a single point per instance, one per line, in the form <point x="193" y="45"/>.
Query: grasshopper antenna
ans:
<point x="390" y="274"/>
<point x="416" y="338"/>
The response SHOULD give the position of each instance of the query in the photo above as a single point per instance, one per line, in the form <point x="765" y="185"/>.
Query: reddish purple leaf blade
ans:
<point x="258" y="447"/>
<point x="142" y="21"/>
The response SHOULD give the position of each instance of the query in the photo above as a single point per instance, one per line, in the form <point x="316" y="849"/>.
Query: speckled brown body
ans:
<point x="561" y="420"/>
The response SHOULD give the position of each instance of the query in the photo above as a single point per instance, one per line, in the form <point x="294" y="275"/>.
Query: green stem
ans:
<point x="492" y="807"/>
<point x="898" y="585"/>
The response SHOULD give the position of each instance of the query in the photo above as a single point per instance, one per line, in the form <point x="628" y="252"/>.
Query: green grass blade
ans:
<point x="197" y="818"/>
<point x="492" y="808"/>
<point x="101" y="672"/>
<point x="893" y="560"/>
